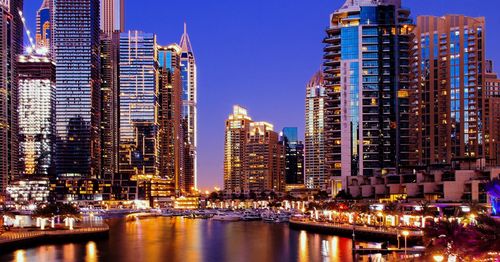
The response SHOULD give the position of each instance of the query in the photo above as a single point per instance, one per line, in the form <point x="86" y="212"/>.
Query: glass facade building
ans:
<point x="139" y="145"/>
<point x="448" y="90"/>
<point x="170" y="118"/>
<point x="76" y="50"/>
<point x="37" y="90"/>
<point x="189" y="112"/>
<point x="367" y="83"/>
<point x="315" y="143"/>
<point x="294" y="156"/>
<point x="11" y="40"/>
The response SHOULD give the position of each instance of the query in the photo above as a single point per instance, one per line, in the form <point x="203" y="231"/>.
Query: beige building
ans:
<point x="435" y="185"/>
<point x="254" y="159"/>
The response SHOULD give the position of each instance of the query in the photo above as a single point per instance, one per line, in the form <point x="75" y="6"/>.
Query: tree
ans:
<point x="342" y="194"/>
<point x="453" y="238"/>
<point x="214" y="196"/>
<point x="57" y="209"/>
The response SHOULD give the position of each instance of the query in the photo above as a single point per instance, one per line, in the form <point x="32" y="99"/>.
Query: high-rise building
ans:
<point x="237" y="128"/>
<point x="11" y="40"/>
<point x="294" y="156"/>
<point x="112" y="24"/>
<point x="189" y="112"/>
<point x="44" y="25"/>
<point x="448" y="87"/>
<point x="367" y="81"/>
<point x="254" y="158"/>
<point x="37" y="90"/>
<point x="78" y="87"/>
<point x="492" y="116"/>
<point x="139" y="147"/>
<point x="170" y="117"/>
<point x="112" y="16"/>
<point x="264" y="162"/>
<point x="316" y="174"/>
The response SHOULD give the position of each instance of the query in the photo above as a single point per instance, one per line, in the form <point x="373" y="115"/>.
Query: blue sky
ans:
<point x="260" y="54"/>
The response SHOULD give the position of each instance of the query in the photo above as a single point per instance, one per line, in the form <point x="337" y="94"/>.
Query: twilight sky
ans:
<point x="260" y="54"/>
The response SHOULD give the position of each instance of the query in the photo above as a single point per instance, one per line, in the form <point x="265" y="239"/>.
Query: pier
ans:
<point x="22" y="238"/>
<point x="362" y="232"/>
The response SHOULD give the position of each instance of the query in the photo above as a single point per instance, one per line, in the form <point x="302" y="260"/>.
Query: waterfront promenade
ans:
<point x="361" y="231"/>
<point x="25" y="237"/>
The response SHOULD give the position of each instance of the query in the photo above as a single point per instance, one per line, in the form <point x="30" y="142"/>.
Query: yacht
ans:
<point x="250" y="216"/>
<point x="226" y="217"/>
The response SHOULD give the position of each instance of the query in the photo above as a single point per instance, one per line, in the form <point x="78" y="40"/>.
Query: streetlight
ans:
<point x="438" y="258"/>
<point x="405" y="234"/>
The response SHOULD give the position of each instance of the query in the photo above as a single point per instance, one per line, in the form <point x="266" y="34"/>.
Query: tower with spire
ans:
<point x="189" y="113"/>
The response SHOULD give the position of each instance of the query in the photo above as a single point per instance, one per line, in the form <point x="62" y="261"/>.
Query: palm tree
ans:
<point x="454" y="238"/>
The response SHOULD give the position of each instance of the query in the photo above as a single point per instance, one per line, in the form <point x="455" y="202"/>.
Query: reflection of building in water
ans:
<point x="138" y="114"/>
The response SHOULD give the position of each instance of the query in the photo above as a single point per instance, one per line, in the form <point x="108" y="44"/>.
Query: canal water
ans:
<point x="193" y="240"/>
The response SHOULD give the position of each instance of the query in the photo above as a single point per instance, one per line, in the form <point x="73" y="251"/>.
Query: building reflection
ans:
<point x="91" y="255"/>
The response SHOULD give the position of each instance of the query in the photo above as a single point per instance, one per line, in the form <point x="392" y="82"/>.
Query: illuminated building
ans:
<point x="237" y="128"/>
<point x="112" y="24"/>
<point x="11" y="39"/>
<point x="189" y="112"/>
<point x="492" y="119"/>
<point x="29" y="191"/>
<point x="170" y="117"/>
<point x="43" y="26"/>
<point x="315" y="144"/>
<point x="294" y="156"/>
<point x="366" y="73"/>
<point x="264" y="160"/>
<point x="138" y="129"/>
<point x="36" y="115"/>
<point x="254" y="158"/>
<point x="76" y="53"/>
<point x="448" y="87"/>
<point x="184" y="203"/>
<point x="112" y="16"/>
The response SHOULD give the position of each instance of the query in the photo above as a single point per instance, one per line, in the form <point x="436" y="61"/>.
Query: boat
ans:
<point x="250" y="216"/>
<point x="226" y="217"/>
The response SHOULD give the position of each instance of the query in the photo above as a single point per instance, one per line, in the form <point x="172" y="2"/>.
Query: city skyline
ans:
<point x="218" y="43"/>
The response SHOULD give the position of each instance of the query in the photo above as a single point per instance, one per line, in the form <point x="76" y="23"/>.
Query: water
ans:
<point x="192" y="240"/>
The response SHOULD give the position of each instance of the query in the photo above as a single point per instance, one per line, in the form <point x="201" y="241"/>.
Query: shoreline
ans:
<point x="361" y="233"/>
<point x="35" y="238"/>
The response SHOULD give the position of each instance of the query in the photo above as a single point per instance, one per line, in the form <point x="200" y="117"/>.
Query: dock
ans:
<point x="18" y="239"/>
<point x="361" y="232"/>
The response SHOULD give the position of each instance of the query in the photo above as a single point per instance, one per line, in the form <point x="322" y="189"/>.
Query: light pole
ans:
<point x="405" y="234"/>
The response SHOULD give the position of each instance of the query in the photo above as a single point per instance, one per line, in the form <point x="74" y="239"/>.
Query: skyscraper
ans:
<point x="11" y="39"/>
<point x="139" y="106"/>
<point x="112" y="16"/>
<point x="264" y="162"/>
<point x="237" y="128"/>
<point x="78" y="87"/>
<point x="492" y="116"/>
<point x="366" y="80"/>
<point x="448" y="87"/>
<point x="316" y="175"/>
<point x="37" y="90"/>
<point x="44" y="26"/>
<point x="189" y="112"/>
<point x="171" y="132"/>
<point x="112" y="24"/>
<point x="294" y="156"/>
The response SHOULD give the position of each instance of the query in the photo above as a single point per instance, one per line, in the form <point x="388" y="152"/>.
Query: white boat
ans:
<point x="226" y="217"/>
<point x="250" y="216"/>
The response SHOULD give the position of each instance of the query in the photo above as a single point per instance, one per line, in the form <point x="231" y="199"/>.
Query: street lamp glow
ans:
<point x="438" y="258"/>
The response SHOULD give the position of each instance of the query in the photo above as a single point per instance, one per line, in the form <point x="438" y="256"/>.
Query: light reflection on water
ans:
<point x="179" y="239"/>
